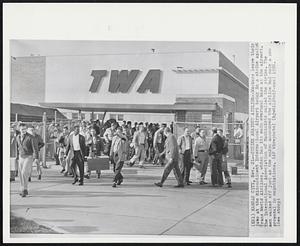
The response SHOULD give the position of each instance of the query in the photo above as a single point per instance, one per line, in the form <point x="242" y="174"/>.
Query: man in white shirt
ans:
<point x="201" y="147"/>
<point x="108" y="136"/>
<point x="76" y="144"/>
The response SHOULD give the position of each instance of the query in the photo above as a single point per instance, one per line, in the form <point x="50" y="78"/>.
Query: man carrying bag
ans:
<point x="96" y="148"/>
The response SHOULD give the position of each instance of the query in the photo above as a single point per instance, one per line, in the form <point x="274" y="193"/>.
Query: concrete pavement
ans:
<point x="135" y="207"/>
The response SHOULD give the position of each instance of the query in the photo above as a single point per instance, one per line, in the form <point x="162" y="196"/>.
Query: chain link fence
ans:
<point x="236" y="132"/>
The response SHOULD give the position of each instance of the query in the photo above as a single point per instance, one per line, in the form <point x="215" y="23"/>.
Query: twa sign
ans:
<point x="122" y="81"/>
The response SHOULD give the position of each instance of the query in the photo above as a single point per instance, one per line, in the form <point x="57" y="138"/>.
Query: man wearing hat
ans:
<point x="215" y="152"/>
<point x="76" y="144"/>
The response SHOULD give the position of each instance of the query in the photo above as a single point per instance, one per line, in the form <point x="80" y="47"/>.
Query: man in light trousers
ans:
<point x="140" y="145"/>
<point x="27" y="152"/>
<point x="201" y="155"/>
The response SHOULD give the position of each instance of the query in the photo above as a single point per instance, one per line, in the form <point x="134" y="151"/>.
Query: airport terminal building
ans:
<point x="151" y="87"/>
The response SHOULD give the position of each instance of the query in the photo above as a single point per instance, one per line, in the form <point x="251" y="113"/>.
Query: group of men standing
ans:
<point x="196" y="151"/>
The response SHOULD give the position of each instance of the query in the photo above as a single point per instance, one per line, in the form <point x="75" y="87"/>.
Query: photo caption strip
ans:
<point x="265" y="139"/>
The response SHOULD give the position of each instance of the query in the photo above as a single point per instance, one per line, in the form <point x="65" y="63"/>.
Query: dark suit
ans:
<point x="215" y="151"/>
<point x="187" y="155"/>
<point x="78" y="157"/>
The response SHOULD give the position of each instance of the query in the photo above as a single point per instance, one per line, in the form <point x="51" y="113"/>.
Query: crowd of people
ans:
<point x="131" y="144"/>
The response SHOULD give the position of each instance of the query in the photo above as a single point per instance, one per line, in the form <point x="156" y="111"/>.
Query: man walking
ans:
<point x="224" y="158"/>
<point x="201" y="155"/>
<point x="172" y="156"/>
<point x="40" y="144"/>
<point x="63" y="143"/>
<point x="185" y="149"/>
<point x="27" y="152"/>
<point x="76" y="144"/>
<point x="118" y="155"/>
<point x="215" y="152"/>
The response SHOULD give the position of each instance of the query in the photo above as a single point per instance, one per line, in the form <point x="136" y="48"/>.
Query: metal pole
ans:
<point x="104" y="114"/>
<point x="79" y="114"/>
<point x="224" y="125"/>
<point x="55" y="116"/>
<point x="16" y="119"/>
<point x="44" y="138"/>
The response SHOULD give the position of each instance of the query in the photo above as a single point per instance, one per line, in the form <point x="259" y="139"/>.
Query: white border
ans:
<point x="160" y="22"/>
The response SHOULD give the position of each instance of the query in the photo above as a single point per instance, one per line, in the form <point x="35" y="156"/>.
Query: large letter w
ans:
<point x="122" y="81"/>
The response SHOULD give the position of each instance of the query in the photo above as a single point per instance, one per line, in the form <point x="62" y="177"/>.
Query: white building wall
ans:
<point x="68" y="79"/>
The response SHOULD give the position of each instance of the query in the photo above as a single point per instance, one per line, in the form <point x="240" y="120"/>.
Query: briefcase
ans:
<point x="198" y="165"/>
<point x="98" y="163"/>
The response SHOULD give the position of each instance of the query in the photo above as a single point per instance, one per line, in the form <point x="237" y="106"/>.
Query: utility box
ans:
<point x="234" y="171"/>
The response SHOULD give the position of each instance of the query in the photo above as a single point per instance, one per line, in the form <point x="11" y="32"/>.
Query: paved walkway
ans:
<point x="135" y="207"/>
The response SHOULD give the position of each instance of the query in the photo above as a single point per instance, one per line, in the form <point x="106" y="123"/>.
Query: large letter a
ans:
<point x="151" y="82"/>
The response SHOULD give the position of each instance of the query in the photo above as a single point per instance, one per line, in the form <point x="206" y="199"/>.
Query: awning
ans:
<point x="132" y="108"/>
<point x="34" y="111"/>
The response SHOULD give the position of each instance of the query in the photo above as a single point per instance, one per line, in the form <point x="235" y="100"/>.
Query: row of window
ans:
<point x="118" y="117"/>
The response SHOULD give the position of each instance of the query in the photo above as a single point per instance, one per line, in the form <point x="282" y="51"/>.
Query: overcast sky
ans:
<point x="237" y="52"/>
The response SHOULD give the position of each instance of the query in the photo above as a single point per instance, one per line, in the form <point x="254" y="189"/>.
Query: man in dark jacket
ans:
<point x="27" y="152"/>
<point x="76" y="144"/>
<point x="224" y="158"/>
<point x="40" y="143"/>
<point x="215" y="152"/>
